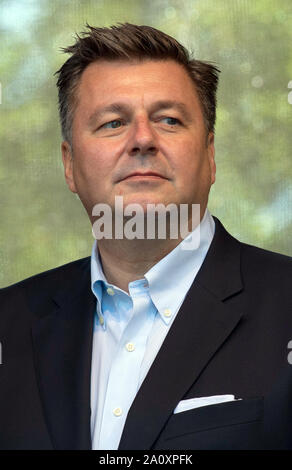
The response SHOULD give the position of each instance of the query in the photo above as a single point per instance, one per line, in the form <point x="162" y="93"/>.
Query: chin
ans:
<point x="144" y="201"/>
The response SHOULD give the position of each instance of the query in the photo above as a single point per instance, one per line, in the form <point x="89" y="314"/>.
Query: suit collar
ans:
<point x="220" y="273"/>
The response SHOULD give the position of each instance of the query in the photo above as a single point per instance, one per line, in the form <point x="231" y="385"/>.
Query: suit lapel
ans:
<point x="62" y="341"/>
<point x="203" y="323"/>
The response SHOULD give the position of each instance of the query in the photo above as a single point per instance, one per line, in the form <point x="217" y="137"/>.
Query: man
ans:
<point x="146" y="344"/>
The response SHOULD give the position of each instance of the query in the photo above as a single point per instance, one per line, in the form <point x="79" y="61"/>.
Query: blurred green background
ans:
<point x="43" y="225"/>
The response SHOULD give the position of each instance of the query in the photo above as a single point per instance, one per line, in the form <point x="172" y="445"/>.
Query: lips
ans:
<point x="142" y="174"/>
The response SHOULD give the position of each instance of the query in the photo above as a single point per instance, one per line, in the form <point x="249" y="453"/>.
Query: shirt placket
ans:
<point x="125" y="371"/>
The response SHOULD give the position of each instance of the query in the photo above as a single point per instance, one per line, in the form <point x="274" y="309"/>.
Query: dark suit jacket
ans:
<point x="229" y="337"/>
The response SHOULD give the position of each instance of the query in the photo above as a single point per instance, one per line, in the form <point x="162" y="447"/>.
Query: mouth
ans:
<point x="149" y="175"/>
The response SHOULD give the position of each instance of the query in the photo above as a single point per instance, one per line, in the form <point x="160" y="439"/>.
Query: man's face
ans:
<point x="139" y="117"/>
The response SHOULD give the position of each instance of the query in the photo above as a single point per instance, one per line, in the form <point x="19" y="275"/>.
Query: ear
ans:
<point x="67" y="158"/>
<point x="211" y="156"/>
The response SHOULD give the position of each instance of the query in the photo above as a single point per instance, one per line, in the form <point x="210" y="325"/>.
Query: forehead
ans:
<point x="104" y="81"/>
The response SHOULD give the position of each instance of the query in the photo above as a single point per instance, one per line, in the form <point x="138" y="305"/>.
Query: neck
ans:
<point x="124" y="260"/>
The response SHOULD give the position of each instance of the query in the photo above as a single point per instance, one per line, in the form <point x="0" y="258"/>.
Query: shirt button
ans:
<point x="167" y="312"/>
<point x="130" y="347"/>
<point x="110" y="291"/>
<point x="117" y="411"/>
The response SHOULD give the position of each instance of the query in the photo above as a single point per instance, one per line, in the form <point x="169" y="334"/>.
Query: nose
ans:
<point x="143" y="140"/>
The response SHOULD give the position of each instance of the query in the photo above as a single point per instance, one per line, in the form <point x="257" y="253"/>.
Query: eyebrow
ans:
<point x="171" y="104"/>
<point x="111" y="108"/>
<point x="157" y="106"/>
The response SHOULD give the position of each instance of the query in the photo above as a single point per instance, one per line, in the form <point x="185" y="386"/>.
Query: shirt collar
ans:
<point x="170" y="279"/>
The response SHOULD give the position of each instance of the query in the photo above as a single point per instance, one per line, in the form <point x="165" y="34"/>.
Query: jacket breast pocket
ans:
<point x="229" y="425"/>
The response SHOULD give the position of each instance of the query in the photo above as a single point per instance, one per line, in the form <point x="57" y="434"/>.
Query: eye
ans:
<point x="115" y="124"/>
<point x="171" y="121"/>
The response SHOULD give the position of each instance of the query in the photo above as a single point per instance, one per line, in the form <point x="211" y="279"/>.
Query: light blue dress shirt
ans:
<point x="130" y="329"/>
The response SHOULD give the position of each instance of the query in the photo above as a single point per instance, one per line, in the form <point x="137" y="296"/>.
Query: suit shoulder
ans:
<point x="263" y="256"/>
<point x="252" y="257"/>
<point x="54" y="275"/>
<point x="266" y="266"/>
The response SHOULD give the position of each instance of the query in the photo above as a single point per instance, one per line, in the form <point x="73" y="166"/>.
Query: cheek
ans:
<point x="192" y="170"/>
<point x="187" y="161"/>
<point x="93" y="162"/>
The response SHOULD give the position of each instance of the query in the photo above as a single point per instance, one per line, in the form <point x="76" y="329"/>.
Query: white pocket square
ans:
<point x="191" y="403"/>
